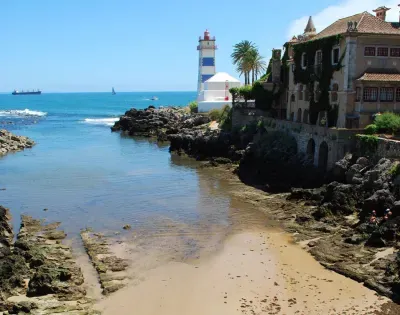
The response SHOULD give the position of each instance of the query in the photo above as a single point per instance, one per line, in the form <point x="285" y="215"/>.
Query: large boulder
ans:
<point x="340" y="168"/>
<point x="340" y="198"/>
<point x="379" y="201"/>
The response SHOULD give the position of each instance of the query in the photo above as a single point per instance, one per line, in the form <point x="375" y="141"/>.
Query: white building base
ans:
<point x="205" y="106"/>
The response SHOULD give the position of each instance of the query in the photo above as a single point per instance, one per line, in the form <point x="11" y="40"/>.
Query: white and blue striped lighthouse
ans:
<point x="206" y="50"/>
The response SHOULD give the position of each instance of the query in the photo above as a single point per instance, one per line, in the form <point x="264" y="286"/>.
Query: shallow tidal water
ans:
<point x="87" y="176"/>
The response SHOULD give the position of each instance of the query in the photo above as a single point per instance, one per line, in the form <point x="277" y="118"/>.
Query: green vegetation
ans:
<point x="263" y="98"/>
<point x="368" y="144"/>
<point x="388" y="122"/>
<point x="248" y="61"/>
<point x="223" y="116"/>
<point x="321" y="74"/>
<point x="395" y="170"/>
<point x="193" y="107"/>
<point x="371" y="129"/>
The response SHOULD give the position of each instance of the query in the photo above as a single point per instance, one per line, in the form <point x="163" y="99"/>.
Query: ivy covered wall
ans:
<point x="321" y="74"/>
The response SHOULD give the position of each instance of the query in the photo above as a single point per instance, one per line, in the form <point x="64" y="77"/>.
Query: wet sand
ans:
<point x="254" y="272"/>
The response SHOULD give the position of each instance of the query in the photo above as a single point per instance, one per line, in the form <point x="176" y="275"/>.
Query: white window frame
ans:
<point x="332" y="55"/>
<point x="303" y="59"/>
<point x="397" y="47"/>
<point x="315" y="57"/>
<point x="376" y="51"/>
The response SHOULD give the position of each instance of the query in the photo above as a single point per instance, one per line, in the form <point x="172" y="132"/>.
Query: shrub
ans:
<point x="371" y="129"/>
<point x="193" y="107"/>
<point x="215" y="114"/>
<point x="226" y="118"/>
<point x="388" y="122"/>
<point x="395" y="170"/>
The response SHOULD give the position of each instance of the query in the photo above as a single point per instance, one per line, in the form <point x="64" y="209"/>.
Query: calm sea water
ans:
<point x="87" y="176"/>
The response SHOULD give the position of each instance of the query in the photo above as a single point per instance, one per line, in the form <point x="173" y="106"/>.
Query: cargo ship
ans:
<point x="15" y="92"/>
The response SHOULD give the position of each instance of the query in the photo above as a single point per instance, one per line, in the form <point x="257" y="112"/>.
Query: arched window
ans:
<point x="292" y="116"/>
<point x="323" y="156"/>
<point x="304" y="60"/>
<point x="305" y="116"/>
<point x="298" y="115"/>
<point x="293" y="98"/>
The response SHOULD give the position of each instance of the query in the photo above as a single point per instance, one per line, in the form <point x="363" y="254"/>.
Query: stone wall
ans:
<point x="324" y="145"/>
<point x="386" y="148"/>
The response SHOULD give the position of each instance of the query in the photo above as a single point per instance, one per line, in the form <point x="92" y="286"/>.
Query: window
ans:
<point x="398" y="94"/>
<point x="300" y="92"/>
<point x="370" y="94"/>
<point x="358" y="94"/>
<point x="335" y="55"/>
<point x="383" y="51"/>
<point x="387" y="94"/>
<point x="293" y="98"/>
<point x="394" y="52"/>
<point x="369" y="51"/>
<point x="304" y="60"/>
<point x="318" y="57"/>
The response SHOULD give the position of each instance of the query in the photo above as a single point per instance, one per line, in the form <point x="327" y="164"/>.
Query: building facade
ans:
<point x="367" y="80"/>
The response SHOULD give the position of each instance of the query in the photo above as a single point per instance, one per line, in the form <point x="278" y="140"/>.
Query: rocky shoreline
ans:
<point x="329" y="213"/>
<point x="38" y="274"/>
<point x="12" y="143"/>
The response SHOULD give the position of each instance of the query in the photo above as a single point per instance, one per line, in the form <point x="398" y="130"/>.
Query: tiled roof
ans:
<point x="386" y="77"/>
<point x="366" y="23"/>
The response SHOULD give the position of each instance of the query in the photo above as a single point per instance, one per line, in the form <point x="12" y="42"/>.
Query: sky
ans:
<point x="131" y="45"/>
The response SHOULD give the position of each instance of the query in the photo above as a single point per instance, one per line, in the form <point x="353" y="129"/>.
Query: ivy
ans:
<point x="367" y="144"/>
<point x="322" y="74"/>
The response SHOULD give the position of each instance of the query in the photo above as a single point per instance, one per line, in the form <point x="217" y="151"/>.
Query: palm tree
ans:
<point x="259" y="65"/>
<point x="240" y="51"/>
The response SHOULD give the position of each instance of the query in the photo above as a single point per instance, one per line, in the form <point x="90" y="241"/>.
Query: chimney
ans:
<point x="381" y="12"/>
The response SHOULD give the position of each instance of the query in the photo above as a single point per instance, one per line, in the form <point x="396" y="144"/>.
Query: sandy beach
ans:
<point x="256" y="272"/>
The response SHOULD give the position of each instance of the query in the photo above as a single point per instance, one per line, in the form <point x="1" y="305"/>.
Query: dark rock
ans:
<point x="379" y="201"/>
<point x="363" y="161"/>
<point x="353" y="171"/>
<point x="23" y="306"/>
<point x="316" y="194"/>
<point x="127" y="227"/>
<point x="340" y="168"/>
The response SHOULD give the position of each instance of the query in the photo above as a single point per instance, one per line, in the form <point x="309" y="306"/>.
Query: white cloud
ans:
<point x="346" y="8"/>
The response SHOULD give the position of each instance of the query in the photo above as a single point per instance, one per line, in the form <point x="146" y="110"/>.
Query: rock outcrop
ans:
<point x="38" y="274"/>
<point x="151" y="122"/>
<point x="10" y="142"/>
<point x="109" y="267"/>
<point x="364" y="246"/>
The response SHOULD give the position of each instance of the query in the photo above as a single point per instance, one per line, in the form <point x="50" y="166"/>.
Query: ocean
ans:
<point x="87" y="176"/>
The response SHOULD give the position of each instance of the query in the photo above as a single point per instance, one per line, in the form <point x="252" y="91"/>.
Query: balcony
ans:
<point x="207" y="47"/>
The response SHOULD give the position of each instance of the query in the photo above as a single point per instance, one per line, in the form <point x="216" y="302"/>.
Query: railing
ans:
<point x="199" y="47"/>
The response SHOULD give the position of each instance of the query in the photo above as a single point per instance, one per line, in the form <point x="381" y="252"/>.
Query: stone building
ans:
<point x="368" y="79"/>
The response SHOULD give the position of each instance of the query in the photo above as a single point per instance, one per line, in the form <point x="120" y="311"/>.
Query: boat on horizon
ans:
<point x="113" y="91"/>
<point x="154" y="98"/>
<point x="16" y="92"/>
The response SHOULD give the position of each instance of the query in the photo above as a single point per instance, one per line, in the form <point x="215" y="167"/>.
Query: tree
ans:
<point x="248" y="60"/>
<point x="240" y="51"/>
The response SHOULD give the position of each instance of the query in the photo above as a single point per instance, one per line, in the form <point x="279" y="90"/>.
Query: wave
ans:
<point x="22" y="113"/>
<point x="101" y="121"/>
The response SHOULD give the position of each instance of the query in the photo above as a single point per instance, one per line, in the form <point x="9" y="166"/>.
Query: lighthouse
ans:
<point x="206" y="50"/>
